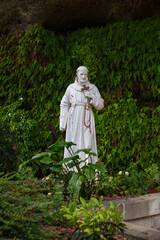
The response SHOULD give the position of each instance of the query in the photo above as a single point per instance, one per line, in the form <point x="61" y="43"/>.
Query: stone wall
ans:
<point x="71" y="14"/>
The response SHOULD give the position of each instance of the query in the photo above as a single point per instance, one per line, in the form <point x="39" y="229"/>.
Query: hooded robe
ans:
<point x="76" y="117"/>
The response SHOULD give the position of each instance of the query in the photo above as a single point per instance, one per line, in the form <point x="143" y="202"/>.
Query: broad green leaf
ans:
<point x="101" y="198"/>
<point x="41" y="155"/>
<point x="97" y="229"/>
<point x="66" y="144"/>
<point x="92" y="165"/>
<point x="66" y="160"/>
<point x="65" y="209"/>
<point x="76" y="235"/>
<point x="56" y="168"/>
<point x="89" y="231"/>
<point x="90" y="174"/>
<point x="69" y="217"/>
<point x="112" y="204"/>
<point x="92" y="154"/>
<point x="101" y="216"/>
<point x="85" y="150"/>
<point x="84" y="212"/>
<point x="54" y="147"/>
<point x="83" y="201"/>
<point x="100" y="167"/>
<point x="72" y="206"/>
<point x="75" y="183"/>
<point x="96" y="201"/>
<point x="46" y="160"/>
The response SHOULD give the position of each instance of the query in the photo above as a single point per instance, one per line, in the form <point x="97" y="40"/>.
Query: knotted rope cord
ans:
<point x="87" y="107"/>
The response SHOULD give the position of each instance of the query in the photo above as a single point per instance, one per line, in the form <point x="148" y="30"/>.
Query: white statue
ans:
<point x="76" y="115"/>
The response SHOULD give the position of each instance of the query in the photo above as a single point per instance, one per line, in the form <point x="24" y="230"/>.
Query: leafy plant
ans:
<point x="8" y="151"/>
<point x="80" y="180"/>
<point x="129" y="136"/>
<point x="37" y="66"/>
<point x="93" y="221"/>
<point x="122" y="184"/>
<point x="27" y="206"/>
<point x="153" y="176"/>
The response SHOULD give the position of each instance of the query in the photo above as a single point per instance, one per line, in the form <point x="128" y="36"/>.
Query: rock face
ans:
<point x="70" y="14"/>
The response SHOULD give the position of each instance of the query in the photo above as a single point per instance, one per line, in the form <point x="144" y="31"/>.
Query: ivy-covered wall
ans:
<point x="123" y="60"/>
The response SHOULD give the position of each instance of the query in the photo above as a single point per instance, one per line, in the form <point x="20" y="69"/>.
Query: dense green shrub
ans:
<point x="123" y="183"/>
<point x="27" y="131"/>
<point x="26" y="206"/>
<point x="8" y="151"/>
<point x="77" y="180"/>
<point x="37" y="66"/>
<point x="93" y="221"/>
<point x="127" y="136"/>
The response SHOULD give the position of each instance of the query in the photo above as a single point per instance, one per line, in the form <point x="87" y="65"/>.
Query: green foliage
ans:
<point x="8" y="156"/>
<point x="80" y="180"/>
<point x="38" y="65"/>
<point x="93" y="221"/>
<point x="128" y="136"/>
<point x="123" y="183"/>
<point x="153" y="176"/>
<point x="26" y="206"/>
<point x="27" y="131"/>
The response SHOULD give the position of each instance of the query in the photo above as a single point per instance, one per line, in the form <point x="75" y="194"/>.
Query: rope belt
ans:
<point x="86" y="107"/>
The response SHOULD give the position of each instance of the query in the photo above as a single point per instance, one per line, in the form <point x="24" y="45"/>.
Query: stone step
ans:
<point x="138" y="207"/>
<point x="142" y="216"/>
<point x="137" y="232"/>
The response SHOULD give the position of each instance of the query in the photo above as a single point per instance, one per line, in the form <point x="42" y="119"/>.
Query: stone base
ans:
<point x="136" y="232"/>
<point x="142" y="216"/>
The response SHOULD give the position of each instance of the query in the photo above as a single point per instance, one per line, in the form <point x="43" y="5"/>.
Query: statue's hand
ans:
<point x="89" y="99"/>
<point x="89" y="96"/>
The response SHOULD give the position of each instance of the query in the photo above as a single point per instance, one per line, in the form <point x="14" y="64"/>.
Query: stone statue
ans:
<point x="76" y="115"/>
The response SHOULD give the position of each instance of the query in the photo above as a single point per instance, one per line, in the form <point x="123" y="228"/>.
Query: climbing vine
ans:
<point x="36" y="66"/>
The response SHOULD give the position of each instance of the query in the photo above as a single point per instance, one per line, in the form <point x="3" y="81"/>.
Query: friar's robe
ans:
<point x="72" y="110"/>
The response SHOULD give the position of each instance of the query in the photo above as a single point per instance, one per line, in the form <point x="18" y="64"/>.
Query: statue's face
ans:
<point x="82" y="77"/>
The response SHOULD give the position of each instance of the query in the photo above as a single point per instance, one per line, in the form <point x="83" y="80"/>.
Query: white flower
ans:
<point x="21" y="98"/>
<point x="120" y="172"/>
<point x="9" y="114"/>
<point x="45" y="178"/>
<point x="49" y="193"/>
<point x="127" y="173"/>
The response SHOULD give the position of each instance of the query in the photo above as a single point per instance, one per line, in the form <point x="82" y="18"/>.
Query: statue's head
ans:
<point x="82" y="75"/>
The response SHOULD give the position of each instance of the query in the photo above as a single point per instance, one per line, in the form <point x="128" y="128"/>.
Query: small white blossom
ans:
<point x="127" y="173"/>
<point x="45" y="178"/>
<point x="21" y="98"/>
<point x="120" y="172"/>
<point x="96" y="177"/>
<point x="9" y="114"/>
<point x="49" y="193"/>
